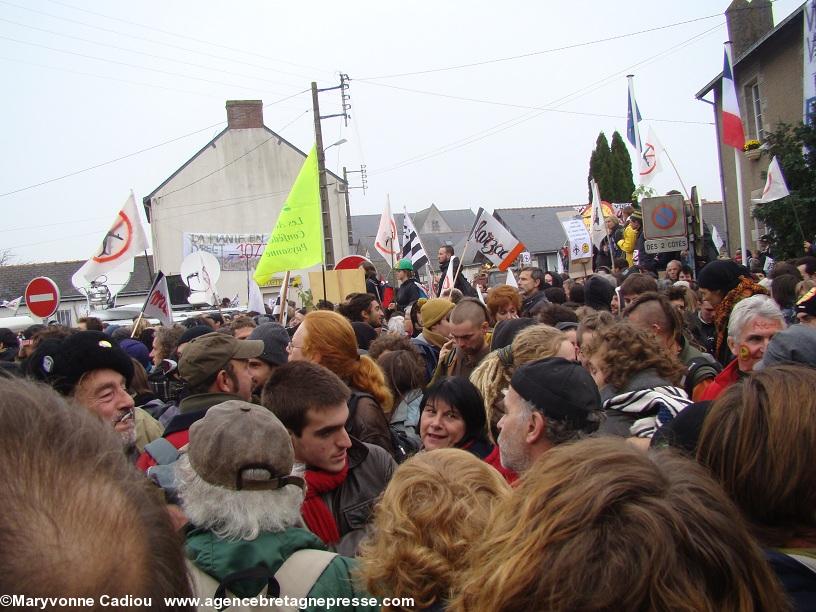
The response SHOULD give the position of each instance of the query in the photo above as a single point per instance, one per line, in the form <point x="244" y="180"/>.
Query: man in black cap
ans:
<point x="549" y="402"/>
<point x="90" y="367"/>
<point x="276" y="341"/>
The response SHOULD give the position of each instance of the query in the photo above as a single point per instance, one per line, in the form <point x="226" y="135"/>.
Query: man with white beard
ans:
<point x="90" y="368"/>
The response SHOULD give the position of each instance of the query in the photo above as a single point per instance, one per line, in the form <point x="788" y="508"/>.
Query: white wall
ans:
<point x="244" y="197"/>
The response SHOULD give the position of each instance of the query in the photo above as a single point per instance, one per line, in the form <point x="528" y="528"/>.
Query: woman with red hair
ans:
<point x="327" y="338"/>
<point x="504" y="303"/>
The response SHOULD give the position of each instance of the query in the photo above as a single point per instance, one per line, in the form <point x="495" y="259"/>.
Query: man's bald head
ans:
<point x="471" y="310"/>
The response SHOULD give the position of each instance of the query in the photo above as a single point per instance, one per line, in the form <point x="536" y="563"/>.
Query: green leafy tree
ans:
<point x="792" y="220"/>
<point x="621" y="172"/>
<point x="611" y="167"/>
<point x="600" y="165"/>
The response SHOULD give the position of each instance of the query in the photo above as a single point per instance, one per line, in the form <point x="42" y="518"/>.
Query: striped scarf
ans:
<point x="655" y="407"/>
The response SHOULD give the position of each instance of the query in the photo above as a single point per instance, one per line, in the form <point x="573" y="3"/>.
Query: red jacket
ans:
<point x="723" y="380"/>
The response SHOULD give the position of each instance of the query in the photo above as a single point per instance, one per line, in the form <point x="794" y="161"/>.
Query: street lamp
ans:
<point x="335" y="144"/>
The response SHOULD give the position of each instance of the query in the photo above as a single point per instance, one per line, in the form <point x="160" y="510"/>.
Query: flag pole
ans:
<point x="144" y="305"/>
<point x="740" y="206"/>
<point x="283" y="295"/>
<point x="671" y="161"/>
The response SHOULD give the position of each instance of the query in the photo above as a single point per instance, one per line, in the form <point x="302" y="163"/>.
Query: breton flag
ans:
<point x="598" y="228"/>
<point x="386" y="241"/>
<point x="411" y="244"/>
<point x="733" y="134"/>
<point x="775" y="187"/>
<point x="157" y="305"/>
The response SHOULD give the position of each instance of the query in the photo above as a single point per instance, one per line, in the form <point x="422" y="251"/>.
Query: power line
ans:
<point x="159" y="42"/>
<point x="547" y="51"/>
<point x="110" y="61"/>
<point x="192" y="38"/>
<point x="505" y="125"/>
<point x="232" y="161"/>
<point x="111" y="161"/>
<point x="523" y="106"/>
<point x="150" y="55"/>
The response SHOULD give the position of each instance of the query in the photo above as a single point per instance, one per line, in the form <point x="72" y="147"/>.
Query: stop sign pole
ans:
<point x="42" y="296"/>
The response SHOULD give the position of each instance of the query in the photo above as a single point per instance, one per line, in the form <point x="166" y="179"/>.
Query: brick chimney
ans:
<point x="244" y="114"/>
<point x="748" y="21"/>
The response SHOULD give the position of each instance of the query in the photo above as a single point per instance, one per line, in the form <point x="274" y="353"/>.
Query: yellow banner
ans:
<point x="296" y="242"/>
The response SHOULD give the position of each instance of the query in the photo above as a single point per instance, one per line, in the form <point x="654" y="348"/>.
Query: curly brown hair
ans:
<point x="437" y="505"/>
<point x="503" y="296"/>
<point x="626" y="350"/>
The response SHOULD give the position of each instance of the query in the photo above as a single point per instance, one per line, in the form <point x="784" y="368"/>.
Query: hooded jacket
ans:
<point x="219" y="558"/>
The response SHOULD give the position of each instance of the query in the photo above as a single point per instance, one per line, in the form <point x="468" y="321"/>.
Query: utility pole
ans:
<point x="364" y="183"/>
<point x="328" y="243"/>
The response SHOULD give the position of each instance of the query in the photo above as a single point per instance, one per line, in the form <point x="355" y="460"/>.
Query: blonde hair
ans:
<point x="586" y="512"/>
<point x="331" y="342"/>
<point x="437" y="505"/>
<point x="493" y="374"/>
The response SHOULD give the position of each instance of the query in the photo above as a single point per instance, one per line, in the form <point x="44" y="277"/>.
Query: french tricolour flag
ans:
<point x="733" y="134"/>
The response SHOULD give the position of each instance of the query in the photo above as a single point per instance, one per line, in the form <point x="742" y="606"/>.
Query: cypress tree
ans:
<point x="600" y="165"/>
<point x="622" y="185"/>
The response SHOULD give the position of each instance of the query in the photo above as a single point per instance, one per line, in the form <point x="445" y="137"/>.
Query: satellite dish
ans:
<point x="200" y="271"/>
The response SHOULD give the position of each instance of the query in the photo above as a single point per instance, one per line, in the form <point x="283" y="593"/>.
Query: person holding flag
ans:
<point x="408" y="291"/>
<point x="446" y="259"/>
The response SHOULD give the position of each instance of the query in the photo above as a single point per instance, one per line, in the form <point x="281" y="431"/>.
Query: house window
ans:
<point x="434" y="226"/>
<point x="754" y="108"/>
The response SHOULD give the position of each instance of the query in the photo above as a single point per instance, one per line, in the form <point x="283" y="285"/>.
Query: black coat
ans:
<point x="407" y="293"/>
<point x="461" y="282"/>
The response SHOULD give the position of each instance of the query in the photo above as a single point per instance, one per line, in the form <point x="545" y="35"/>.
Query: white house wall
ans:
<point x="212" y="195"/>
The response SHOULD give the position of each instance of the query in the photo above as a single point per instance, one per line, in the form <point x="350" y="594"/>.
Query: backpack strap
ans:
<point x="808" y="561"/>
<point x="162" y="451"/>
<point x="299" y="573"/>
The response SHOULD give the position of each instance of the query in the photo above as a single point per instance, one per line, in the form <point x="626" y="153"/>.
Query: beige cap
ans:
<point x="235" y="442"/>
<point x="204" y="356"/>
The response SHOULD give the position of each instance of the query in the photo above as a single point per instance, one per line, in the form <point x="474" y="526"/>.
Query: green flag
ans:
<point x="296" y="242"/>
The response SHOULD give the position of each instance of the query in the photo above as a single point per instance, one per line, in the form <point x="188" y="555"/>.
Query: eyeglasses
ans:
<point x="291" y="347"/>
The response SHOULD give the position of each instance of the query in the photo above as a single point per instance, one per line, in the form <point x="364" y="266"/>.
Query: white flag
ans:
<point x="559" y="263"/>
<point x="480" y="294"/>
<point x="598" y="227"/>
<point x="649" y="163"/>
<point x="157" y="305"/>
<point x="775" y="186"/>
<point x="255" y="302"/>
<point x="412" y="244"/>
<point x="511" y="279"/>
<point x="386" y="241"/>
<point x="449" y="283"/>
<point x="124" y="240"/>
<point x="494" y="241"/>
<point x="715" y="237"/>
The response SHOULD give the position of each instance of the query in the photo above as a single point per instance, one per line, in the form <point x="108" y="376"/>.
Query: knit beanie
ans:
<point x="598" y="293"/>
<point x="434" y="310"/>
<point x="721" y="275"/>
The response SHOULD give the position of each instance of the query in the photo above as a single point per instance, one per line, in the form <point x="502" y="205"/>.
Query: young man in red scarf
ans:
<point x="344" y="477"/>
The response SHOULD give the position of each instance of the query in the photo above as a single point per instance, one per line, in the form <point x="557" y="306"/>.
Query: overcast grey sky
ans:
<point x="87" y="82"/>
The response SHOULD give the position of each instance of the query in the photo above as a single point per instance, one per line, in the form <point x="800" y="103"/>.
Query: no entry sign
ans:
<point x="664" y="217"/>
<point x="42" y="297"/>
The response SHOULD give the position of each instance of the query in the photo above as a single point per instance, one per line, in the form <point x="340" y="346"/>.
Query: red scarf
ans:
<point x="314" y="510"/>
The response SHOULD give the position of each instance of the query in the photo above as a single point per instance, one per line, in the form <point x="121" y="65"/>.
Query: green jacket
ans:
<point x="219" y="558"/>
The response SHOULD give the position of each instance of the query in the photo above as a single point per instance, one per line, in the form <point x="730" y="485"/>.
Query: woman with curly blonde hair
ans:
<point x="638" y="379"/>
<point x="435" y="508"/>
<point x="493" y="374"/>
<point x="598" y="525"/>
<point x="327" y="338"/>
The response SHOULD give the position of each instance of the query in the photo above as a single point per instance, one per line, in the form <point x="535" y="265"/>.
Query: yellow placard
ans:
<point x="339" y="283"/>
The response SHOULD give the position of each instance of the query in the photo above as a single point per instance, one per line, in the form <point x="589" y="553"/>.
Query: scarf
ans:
<point x="434" y="338"/>
<point x="746" y="288"/>
<point x="655" y="407"/>
<point x="314" y="510"/>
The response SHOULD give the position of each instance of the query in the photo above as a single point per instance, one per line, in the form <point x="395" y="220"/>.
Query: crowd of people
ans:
<point x="640" y="439"/>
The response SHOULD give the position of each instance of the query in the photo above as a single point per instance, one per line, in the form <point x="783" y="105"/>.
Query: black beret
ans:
<point x="721" y="275"/>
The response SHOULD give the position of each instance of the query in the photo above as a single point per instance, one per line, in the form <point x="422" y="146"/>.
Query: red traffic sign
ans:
<point x="42" y="296"/>
<point x="351" y="262"/>
<point x="664" y="217"/>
